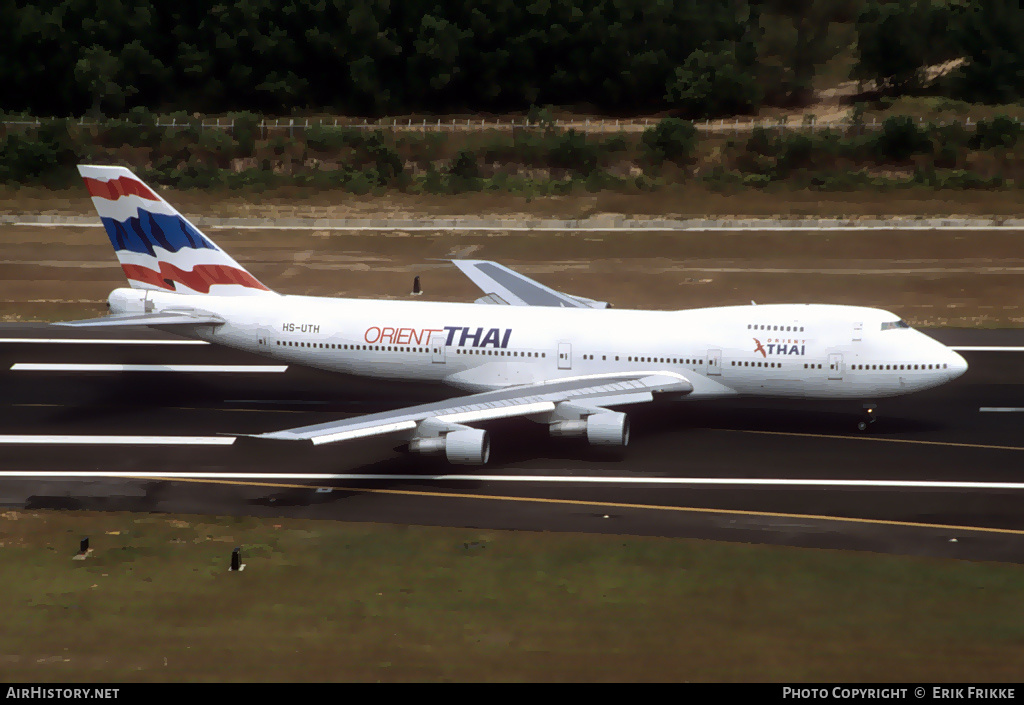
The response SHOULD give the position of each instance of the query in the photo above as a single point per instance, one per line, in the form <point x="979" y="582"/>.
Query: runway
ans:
<point x="939" y="474"/>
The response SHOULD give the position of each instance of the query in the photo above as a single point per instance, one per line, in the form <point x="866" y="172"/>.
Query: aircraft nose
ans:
<point x="957" y="365"/>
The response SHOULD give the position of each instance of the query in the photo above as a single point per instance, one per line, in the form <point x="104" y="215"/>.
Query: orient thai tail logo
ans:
<point x="157" y="246"/>
<point x="760" y="348"/>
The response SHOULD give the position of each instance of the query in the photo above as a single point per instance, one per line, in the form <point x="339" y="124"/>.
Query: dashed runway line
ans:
<point x="99" y="341"/>
<point x="104" y="367"/>
<point x="23" y="439"/>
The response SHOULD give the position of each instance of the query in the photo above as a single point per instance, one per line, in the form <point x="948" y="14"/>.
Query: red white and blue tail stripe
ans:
<point x="157" y="247"/>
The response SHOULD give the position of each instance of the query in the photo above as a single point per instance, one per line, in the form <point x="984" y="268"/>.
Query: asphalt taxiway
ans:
<point x="137" y="420"/>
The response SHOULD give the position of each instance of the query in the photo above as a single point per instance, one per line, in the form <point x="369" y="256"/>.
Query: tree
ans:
<point x="95" y="73"/>
<point x="896" y="40"/>
<point x="988" y="32"/>
<point x="711" y="83"/>
<point x="797" y="37"/>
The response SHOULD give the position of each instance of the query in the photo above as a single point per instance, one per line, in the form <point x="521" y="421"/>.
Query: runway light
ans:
<point x="416" y="291"/>
<point x="236" y="561"/>
<point x="952" y="540"/>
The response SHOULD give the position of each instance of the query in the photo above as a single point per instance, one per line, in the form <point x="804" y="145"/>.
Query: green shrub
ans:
<point x="671" y="139"/>
<point x="26" y="160"/>
<point x="464" y="165"/>
<point x="796" y="152"/>
<point x="572" y="151"/>
<point x="901" y="137"/>
<point x="962" y="179"/>
<point x="388" y="163"/>
<point x="217" y="145"/>
<point x="245" y="129"/>
<point x="432" y="181"/>
<point x="762" y="142"/>
<point x="326" y="138"/>
<point x="361" y="183"/>
<point x="1000" y="131"/>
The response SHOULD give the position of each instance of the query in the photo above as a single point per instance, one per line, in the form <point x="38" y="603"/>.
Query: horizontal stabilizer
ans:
<point x="504" y="286"/>
<point x="166" y="318"/>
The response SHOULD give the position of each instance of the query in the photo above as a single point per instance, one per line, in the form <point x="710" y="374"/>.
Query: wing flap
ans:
<point x="527" y="400"/>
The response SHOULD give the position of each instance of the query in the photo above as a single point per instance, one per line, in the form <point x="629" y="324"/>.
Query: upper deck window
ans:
<point x="895" y="324"/>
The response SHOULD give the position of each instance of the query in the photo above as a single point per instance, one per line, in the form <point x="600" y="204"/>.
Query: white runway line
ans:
<point x="996" y="409"/>
<point x="118" y="440"/>
<point x="101" y="341"/>
<point x="567" y="479"/>
<point x="89" y="367"/>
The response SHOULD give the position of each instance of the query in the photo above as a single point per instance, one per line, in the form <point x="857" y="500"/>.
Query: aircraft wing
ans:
<point x="538" y="401"/>
<point x="164" y="318"/>
<point x="504" y="286"/>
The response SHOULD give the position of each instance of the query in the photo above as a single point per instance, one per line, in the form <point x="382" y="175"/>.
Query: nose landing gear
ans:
<point x="868" y="418"/>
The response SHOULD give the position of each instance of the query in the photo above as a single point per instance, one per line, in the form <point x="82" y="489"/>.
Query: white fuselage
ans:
<point x="809" y="351"/>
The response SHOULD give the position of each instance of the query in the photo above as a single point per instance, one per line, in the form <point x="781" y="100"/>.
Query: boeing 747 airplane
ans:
<point x="521" y="350"/>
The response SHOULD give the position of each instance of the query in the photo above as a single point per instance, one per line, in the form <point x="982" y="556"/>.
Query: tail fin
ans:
<point x="157" y="247"/>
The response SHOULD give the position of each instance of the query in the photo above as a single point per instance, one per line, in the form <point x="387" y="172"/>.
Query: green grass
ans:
<point x="323" y="600"/>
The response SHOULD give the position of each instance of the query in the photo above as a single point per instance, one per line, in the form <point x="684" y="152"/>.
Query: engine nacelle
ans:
<point x="463" y="446"/>
<point x="469" y="447"/>
<point x="608" y="429"/>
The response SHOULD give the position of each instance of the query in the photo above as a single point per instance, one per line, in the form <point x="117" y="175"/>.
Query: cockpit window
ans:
<point x="889" y="325"/>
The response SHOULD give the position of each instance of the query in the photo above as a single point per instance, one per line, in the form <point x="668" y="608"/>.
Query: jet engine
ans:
<point x="608" y="429"/>
<point x="602" y="428"/>
<point x="465" y="446"/>
<point x="469" y="447"/>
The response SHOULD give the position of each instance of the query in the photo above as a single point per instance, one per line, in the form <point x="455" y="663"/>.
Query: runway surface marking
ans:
<point x="568" y="479"/>
<point x="987" y="348"/>
<point x="105" y="341"/>
<point x="605" y="505"/>
<point x="119" y="440"/>
<point x="90" y="367"/>
<point x="232" y="409"/>
<point x="871" y="438"/>
<point x="984" y="409"/>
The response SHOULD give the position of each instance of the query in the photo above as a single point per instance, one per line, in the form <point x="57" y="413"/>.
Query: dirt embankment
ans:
<point x="678" y="201"/>
<point x="930" y="278"/>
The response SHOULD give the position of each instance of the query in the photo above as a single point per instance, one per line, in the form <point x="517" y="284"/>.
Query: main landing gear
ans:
<point x="868" y="418"/>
